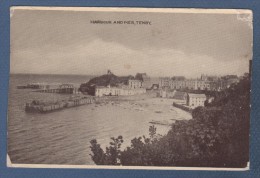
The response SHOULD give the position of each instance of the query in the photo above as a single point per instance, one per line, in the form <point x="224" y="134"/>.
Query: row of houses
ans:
<point x="187" y="99"/>
<point x="212" y="83"/>
<point x="142" y="81"/>
<point x="134" y="86"/>
<point x="204" y="83"/>
<point x="118" y="91"/>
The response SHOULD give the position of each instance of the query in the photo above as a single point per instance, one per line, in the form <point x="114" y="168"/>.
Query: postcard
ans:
<point x="129" y="88"/>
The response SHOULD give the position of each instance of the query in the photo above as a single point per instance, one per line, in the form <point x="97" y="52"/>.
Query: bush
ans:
<point x="217" y="136"/>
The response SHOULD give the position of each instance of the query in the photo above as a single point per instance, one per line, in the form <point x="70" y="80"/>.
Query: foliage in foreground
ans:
<point x="217" y="136"/>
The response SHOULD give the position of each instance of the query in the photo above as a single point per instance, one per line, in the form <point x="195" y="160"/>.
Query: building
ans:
<point x="146" y="80"/>
<point x="180" y="97"/>
<point x="107" y="91"/>
<point x="164" y="82"/>
<point x="117" y="91"/>
<point x="166" y="92"/>
<point x="149" y="83"/>
<point x="135" y="83"/>
<point x="209" y="77"/>
<point x="184" y="84"/>
<point x="195" y="100"/>
<point x="228" y="80"/>
<point x="215" y="85"/>
<point x="205" y="82"/>
<point x="191" y="84"/>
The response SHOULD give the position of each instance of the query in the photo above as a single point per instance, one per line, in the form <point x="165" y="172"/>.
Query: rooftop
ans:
<point x="192" y="95"/>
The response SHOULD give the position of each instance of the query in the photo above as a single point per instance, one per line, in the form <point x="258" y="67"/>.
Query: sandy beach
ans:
<point x="148" y="103"/>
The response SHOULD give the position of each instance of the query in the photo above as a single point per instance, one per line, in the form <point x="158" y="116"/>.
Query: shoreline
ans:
<point x="147" y="103"/>
<point x="153" y="111"/>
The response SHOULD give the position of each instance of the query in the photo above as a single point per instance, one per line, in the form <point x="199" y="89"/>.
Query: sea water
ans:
<point x="63" y="137"/>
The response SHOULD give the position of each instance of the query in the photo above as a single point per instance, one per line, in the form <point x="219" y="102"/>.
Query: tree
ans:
<point x="98" y="155"/>
<point x="112" y="154"/>
<point x="217" y="136"/>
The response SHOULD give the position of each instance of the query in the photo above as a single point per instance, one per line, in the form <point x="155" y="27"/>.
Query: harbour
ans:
<point x="170" y="90"/>
<point x="44" y="138"/>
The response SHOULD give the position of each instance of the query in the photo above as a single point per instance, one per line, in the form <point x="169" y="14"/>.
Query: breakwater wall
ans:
<point x="185" y="108"/>
<point x="45" y="107"/>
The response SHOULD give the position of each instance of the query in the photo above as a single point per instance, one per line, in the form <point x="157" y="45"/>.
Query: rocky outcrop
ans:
<point x="104" y="80"/>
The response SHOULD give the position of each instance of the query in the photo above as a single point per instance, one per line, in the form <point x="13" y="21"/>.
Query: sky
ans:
<point x="189" y="44"/>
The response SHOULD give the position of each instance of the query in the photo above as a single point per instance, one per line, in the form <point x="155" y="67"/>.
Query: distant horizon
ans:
<point x="95" y="75"/>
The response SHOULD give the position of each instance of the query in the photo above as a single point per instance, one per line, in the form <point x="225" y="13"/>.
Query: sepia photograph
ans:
<point x="129" y="88"/>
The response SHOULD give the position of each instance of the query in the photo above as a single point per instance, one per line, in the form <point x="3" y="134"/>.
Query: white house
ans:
<point x="135" y="83"/>
<point x="195" y="100"/>
<point x="118" y="91"/>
